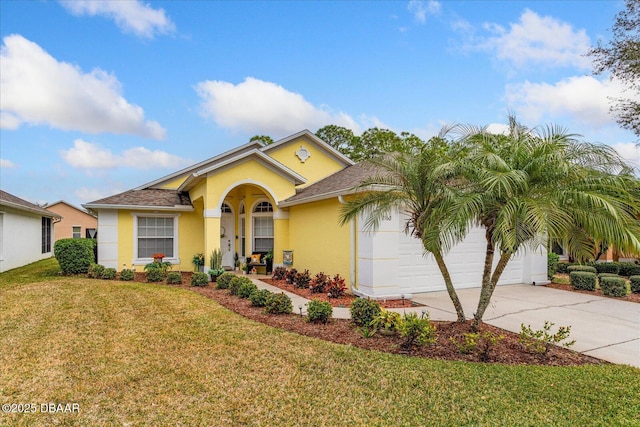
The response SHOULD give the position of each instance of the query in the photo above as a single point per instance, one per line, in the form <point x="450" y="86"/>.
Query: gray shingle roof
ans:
<point x="151" y="197"/>
<point x="18" y="203"/>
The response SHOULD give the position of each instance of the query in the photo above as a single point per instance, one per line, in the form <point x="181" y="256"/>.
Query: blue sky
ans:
<point x="100" y="97"/>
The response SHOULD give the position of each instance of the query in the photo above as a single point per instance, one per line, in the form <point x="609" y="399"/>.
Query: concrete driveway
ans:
<point x="605" y="328"/>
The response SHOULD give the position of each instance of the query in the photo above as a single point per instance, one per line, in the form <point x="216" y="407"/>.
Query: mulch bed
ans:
<point x="597" y="292"/>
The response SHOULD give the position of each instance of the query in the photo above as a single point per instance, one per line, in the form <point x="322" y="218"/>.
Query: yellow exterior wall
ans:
<point x="318" y="166"/>
<point x="174" y="184"/>
<point x="318" y="242"/>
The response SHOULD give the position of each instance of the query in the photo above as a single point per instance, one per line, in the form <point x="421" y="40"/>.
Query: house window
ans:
<point x="242" y="231"/>
<point x="263" y="227"/>
<point x="156" y="234"/>
<point x="77" y="232"/>
<point x="90" y="233"/>
<point x="225" y="208"/>
<point x="46" y="235"/>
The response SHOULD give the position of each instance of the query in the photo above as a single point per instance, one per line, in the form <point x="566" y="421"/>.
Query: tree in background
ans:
<point x="621" y="57"/>
<point x="264" y="139"/>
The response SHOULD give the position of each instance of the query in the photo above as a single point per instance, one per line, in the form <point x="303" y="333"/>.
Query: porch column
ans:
<point x="211" y="233"/>
<point x="280" y="234"/>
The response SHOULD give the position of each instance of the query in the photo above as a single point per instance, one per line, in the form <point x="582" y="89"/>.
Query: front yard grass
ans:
<point x="145" y="354"/>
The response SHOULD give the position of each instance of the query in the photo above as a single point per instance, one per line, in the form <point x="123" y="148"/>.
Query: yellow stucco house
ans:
<point x="285" y="196"/>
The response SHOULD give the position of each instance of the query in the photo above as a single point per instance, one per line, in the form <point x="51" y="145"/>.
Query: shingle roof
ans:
<point x="339" y="182"/>
<point x="18" y="203"/>
<point x="150" y="197"/>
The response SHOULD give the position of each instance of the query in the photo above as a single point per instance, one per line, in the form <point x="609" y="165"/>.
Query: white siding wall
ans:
<point x="21" y="239"/>
<point x="108" y="238"/>
<point x="392" y="263"/>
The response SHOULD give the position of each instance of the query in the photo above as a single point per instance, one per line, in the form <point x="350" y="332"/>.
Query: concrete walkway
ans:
<point x="605" y="328"/>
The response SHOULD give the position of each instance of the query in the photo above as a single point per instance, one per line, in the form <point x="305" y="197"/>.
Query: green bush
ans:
<point x="74" y="255"/>
<point x="246" y="289"/>
<point x="416" y="330"/>
<point x="601" y="275"/>
<point x="608" y="267"/>
<point x="127" y="274"/>
<point x="154" y="275"/>
<point x="109" y="274"/>
<point x="635" y="284"/>
<point x="95" y="271"/>
<point x="613" y="286"/>
<point x="200" y="279"/>
<point x="223" y="280"/>
<point x="363" y="311"/>
<point x="387" y="321"/>
<point x="629" y="269"/>
<point x="583" y="280"/>
<point x="552" y="264"/>
<point x="236" y="283"/>
<point x="259" y="297"/>
<point x="174" y="278"/>
<point x="577" y="267"/>
<point x="278" y="304"/>
<point x="561" y="267"/>
<point x="541" y="340"/>
<point x="319" y="311"/>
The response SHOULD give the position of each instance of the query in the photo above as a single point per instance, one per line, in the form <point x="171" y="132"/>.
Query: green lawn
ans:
<point x="144" y="354"/>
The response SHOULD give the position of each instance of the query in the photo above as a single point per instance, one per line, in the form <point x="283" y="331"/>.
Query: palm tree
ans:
<point x="418" y="185"/>
<point x="532" y="184"/>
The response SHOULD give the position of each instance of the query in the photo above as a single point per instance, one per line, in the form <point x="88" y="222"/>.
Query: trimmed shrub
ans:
<point x="629" y="269"/>
<point x="279" y="273"/>
<point x="127" y="274"/>
<point x="577" y="267"/>
<point x="561" y="267"/>
<point x="635" y="284"/>
<point x="601" y="275"/>
<point x="246" y="289"/>
<point x="552" y="264"/>
<point x="608" y="267"/>
<point x="363" y="311"/>
<point x="583" y="280"/>
<point x="155" y="275"/>
<point x="278" y="304"/>
<point x="200" y="279"/>
<point x="416" y="330"/>
<point x="95" y="271"/>
<point x="259" y="297"/>
<point x="174" y="278"/>
<point x="613" y="286"/>
<point x="74" y="255"/>
<point x="109" y="274"/>
<point x="236" y="282"/>
<point x="224" y="280"/>
<point x="319" y="311"/>
<point x="319" y="283"/>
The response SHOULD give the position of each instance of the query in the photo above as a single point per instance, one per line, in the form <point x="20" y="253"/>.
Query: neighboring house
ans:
<point x="26" y="232"/>
<point x="285" y="196"/>
<point x="76" y="223"/>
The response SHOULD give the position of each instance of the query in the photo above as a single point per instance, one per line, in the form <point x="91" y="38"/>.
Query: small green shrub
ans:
<point x="613" y="286"/>
<point x="601" y="275"/>
<point x="223" y="280"/>
<point x="127" y="274"/>
<point x="278" y="304"/>
<point x="366" y="331"/>
<point x="561" y="280"/>
<point x="95" y="271"/>
<point x="552" y="264"/>
<point x="302" y="279"/>
<point x="562" y="266"/>
<point x="319" y="311"/>
<point x="236" y="283"/>
<point x="259" y="297"/>
<point x="363" y="311"/>
<point x="386" y="321"/>
<point x="200" y="279"/>
<point x="74" y="255"/>
<point x="416" y="330"/>
<point x="154" y="275"/>
<point x="336" y="287"/>
<point x="174" y="278"/>
<point x="541" y="340"/>
<point x="608" y="267"/>
<point x="635" y="284"/>
<point x="109" y="274"/>
<point x="587" y="268"/>
<point x="246" y="289"/>
<point x="629" y="269"/>
<point x="481" y="343"/>
<point x="583" y="280"/>
<point x="279" y="273"/>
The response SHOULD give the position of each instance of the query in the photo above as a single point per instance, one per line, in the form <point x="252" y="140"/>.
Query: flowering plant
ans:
<point x="158" y="255"/>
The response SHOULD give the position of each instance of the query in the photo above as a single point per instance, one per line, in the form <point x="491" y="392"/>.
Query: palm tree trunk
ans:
<point x="485" y="291"/>
<point x="449" y="284"/>
<point x="485" y="295"/>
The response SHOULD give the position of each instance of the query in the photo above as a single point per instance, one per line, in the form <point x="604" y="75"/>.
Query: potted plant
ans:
<point x="236" y="261"/>
<point x="268" y="260"/>
<point x="198" y="262"/>
<point x="215" y="264"/>
<point x="244" y="267"/>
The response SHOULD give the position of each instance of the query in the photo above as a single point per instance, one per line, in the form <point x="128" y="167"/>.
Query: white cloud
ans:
<point x="256" y="106"/>
<point x="38" y="89"/>
<point x="91" y="156"/>
<point x="421" y="9"/>
<point x="629" y="151"/>
<point x="131" y="16"/>
<point x="4" y="163"/>
<point x="85" y="194"/>
<point x="585" y="98"/>
<point x="538" y="40"/>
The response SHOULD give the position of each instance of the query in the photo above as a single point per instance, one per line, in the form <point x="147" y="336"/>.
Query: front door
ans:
<point x="227" y="239"/>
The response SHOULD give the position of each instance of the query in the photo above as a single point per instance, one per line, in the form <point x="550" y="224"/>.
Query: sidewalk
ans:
<point x="605" y="328"/>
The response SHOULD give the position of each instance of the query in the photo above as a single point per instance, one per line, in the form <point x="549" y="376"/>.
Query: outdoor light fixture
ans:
<point x="300" y="307"/>
<point x="402" y="296"/>
<point x="424" y="311"/>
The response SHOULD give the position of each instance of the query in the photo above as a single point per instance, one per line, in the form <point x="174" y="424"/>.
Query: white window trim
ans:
<point x="173" y="260"/>
<point x="242" y="230"/>
<point x="260" y="214"/>
<point x="80" y="233"/>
